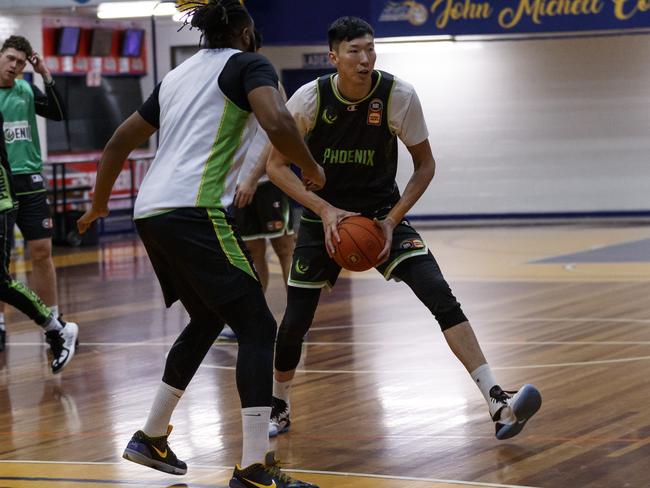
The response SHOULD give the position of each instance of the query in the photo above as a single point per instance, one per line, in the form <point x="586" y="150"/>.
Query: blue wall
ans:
<point x="285" y="22"/>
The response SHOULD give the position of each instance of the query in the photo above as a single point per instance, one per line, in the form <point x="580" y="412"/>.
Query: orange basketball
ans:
<point x="361" y="243"/>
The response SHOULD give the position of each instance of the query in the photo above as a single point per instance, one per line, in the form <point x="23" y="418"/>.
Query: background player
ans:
<point x="20" y="102"/>
<point x="351" y="121"/>
<point x="262" y="211"/>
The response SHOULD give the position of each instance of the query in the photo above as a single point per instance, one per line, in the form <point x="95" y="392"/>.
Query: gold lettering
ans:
<point x="509" y="17"/>
<point x="620" y="8"/>
<point x="457" y="10"/>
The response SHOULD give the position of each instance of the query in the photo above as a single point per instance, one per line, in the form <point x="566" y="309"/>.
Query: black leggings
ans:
<point x="420" y="273"/>
<point x="14" y="292"/>
<point x="255" y="327"/>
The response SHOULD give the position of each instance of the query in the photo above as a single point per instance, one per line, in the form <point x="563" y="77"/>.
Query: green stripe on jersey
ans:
<point x="220" y="160"/>
<point x="229" y="243"/>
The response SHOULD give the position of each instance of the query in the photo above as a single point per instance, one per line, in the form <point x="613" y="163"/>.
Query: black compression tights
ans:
<point x="255" y="327"/>
<point x="420" y="273"/>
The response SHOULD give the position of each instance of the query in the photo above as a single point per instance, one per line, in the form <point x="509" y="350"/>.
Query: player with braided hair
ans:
<point x="205" y="110"/>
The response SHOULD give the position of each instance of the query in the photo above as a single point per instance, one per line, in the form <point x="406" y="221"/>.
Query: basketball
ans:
<point x="361" y="243"/>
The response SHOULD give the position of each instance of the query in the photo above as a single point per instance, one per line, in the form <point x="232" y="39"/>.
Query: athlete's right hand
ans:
<point x="331" y="216"/>
<point x="314" y="179"/>
<point x="89" y="217"/>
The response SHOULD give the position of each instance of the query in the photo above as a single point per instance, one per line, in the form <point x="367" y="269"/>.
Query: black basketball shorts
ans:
<point x="267" y="216"/>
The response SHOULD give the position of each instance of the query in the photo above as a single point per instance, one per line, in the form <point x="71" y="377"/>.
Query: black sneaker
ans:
<point x="280" y="421"/>
<point x="523" y="404"/>
<point x="154" y="452"/>
<point x="267" y="475"/>
<point x="63" y="343"/>
<point x="3" y="339"/>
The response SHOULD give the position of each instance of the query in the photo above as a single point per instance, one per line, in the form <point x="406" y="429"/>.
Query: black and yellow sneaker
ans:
<point x="267" y="475"/>
<point x="154" y="452"/>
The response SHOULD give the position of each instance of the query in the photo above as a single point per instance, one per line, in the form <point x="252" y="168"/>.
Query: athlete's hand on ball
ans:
<point x="331" y="217"/>
<point x="86" y="220"/>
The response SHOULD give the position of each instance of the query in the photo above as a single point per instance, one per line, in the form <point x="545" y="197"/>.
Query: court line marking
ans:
<point x="449" y="370"/>
<point x="307" y="471"/>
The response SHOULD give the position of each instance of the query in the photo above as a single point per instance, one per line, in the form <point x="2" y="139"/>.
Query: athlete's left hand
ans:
<point x="387" y="226"/>
<point x="244" y="193"/>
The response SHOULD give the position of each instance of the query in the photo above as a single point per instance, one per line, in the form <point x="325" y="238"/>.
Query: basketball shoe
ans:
<point x="523" y="404"/>
<point x="154" y="452"/>
<point x="280" y="421"/>
<point x="63" y="343"/>
<point x="267" y="475"/>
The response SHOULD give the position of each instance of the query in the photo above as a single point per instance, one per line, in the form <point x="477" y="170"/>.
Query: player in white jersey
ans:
<point x="204" y="111"/>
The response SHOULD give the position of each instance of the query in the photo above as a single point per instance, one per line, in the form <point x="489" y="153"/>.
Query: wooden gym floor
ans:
<point x="379" y="401"/>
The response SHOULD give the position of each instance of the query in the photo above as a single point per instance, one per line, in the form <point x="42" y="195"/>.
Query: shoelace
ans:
<point x="275" y="471"/>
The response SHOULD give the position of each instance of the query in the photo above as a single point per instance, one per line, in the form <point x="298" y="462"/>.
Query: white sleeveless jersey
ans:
<point x="203" y="139"/>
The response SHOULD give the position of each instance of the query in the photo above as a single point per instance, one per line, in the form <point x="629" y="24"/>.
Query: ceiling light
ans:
<point x="123" y="10"/>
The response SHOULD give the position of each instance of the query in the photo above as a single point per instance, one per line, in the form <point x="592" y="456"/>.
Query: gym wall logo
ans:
<point x="330" y="115"/>
<point x="413" y="12"/>
<point x="17" y="131"/>
<point x="412" y="244"/>
<point x="375" y="110"/>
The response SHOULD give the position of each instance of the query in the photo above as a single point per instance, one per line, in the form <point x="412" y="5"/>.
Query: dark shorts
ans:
<point x="267" y="216"/>
<point x="313" y="268"/>
<point x="34" y="217"/>
<point x="198" y="249"/>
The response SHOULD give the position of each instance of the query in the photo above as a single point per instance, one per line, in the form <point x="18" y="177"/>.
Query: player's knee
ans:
<point x="283" y="246"/>
<point x="290" y="332"/>
<point x="451" y="317"/>
<point x="40" y="253"/>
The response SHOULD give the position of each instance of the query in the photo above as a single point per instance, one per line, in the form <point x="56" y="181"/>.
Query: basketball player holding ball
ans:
<point x="351" y="121"/>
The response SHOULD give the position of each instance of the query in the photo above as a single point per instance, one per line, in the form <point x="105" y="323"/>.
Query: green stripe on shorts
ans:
<point x="229" y="243"/>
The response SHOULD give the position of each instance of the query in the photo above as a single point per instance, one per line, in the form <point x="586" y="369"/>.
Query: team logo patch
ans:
<point x="301" y="268"/>
<point x="352" y="108"/>
<point x="47" y="223"/>
<point x="274" y="225"/>
<point x="375" y="110"/>
<point x="330" y="115"/>
<point x="412" y="244"/>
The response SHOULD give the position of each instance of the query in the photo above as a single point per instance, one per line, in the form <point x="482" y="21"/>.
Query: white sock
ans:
<point x="2" y="321"/>
<point x="161" y="410"/>
<point x="255" y="429"/>
<point x="55" y="310"/>
<point x="282" y="389"/>
<point x="484" y="379"/>
<point x="52" y="324"/>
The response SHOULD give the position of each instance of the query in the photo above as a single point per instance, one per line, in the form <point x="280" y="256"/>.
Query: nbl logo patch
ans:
<point x="375" y="110"/>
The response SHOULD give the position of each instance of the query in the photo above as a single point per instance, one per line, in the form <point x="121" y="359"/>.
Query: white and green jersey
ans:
<point x="206" y="126"/>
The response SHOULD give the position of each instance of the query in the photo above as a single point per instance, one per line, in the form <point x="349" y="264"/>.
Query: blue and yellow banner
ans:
<point x="469" y="17"/>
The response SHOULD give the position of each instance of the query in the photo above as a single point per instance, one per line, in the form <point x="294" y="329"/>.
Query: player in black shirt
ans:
<point x="351" y="121"/>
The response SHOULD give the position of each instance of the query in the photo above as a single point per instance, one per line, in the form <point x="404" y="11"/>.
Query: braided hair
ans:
<point x="219" y="21"/>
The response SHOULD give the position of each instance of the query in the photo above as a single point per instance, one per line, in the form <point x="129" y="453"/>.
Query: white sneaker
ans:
<point x="63" y="343"/>
<point x="511" y="410"/>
